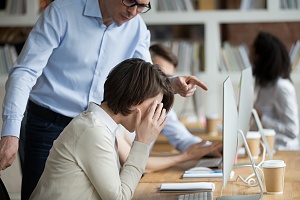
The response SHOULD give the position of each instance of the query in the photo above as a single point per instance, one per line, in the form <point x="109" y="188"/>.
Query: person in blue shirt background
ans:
<point x="63" y="66"/>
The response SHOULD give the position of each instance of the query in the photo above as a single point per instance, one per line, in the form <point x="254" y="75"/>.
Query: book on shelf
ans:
<point x="187" y="52"/>
<point x="175" y="5"/>
<point x="15" y="7"/>
<point x="8" y="56"/>
<point x="298" y="4"/>
<point x="295" y="56"/>
<point x="290" y="4"/>
<point x="189" y="5"/>
<point x="252" y="4"/>
<point x="2" y="61"/>
<point x="244" y="53"/>
<point x="8" y="59"/>
<point x="234" y="57"/>
<point x="230" y="54"/>
<point x="207" y="4"/>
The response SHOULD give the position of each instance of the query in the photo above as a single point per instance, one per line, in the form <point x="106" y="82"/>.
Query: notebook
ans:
<point x="205" y="174"/>
<point x="187" y="187"/>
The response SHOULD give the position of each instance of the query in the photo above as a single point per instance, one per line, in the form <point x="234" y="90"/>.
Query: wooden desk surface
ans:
<point x="148" y="187"/>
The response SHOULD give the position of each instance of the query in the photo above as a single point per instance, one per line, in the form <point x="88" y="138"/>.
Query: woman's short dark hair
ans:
<point x="271" y="59"/>
<point x="132" y="82"/>
<point x="166" y="53"/>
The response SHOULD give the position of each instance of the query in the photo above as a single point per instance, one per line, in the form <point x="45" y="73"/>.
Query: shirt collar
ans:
<point x="92" y="10"/>
<point x="103" y="116"/>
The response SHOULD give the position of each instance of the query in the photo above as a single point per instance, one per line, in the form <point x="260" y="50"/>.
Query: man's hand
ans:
<point x="8" y="151"/>
<point x="198" y="150"/>
<point x="186" y="85"/>
<point x="218" y="152"/>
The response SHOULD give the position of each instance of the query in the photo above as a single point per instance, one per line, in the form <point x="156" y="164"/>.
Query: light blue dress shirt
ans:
<point x="177" y="133"/>
<point x="66" y="59"/>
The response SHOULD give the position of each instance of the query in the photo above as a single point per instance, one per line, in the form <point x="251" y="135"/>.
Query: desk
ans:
<point x="150" y="183"/>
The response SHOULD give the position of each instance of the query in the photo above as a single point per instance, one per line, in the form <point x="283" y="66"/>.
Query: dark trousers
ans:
<point x="42" y="127"/>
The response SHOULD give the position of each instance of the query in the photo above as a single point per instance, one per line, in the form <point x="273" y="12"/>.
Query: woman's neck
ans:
<point x="115" y="117"/>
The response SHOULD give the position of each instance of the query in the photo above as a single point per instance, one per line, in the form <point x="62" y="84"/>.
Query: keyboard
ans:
<point x="210" y="162"/>
<point x="197" y="196"/>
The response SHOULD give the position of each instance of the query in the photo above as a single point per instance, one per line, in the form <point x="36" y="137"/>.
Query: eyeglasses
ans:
<point x="141" y="8"/>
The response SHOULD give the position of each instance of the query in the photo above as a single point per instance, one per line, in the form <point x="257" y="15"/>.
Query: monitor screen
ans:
<point x="230" y="141"/>
<point x="230" y="129"/>
<point x="245" y="108"/>
<point x="246" y="100"/>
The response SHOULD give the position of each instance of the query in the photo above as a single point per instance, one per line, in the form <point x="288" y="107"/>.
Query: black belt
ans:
<point x="48" y="114"/>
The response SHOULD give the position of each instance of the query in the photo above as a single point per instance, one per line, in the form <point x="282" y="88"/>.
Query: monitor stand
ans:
<point x="247" y="197"/>
<point x="264" y="139"/>
<point x="263" y="136"/>
<point x="248" y="164"/>
<point x="250" y="180"/>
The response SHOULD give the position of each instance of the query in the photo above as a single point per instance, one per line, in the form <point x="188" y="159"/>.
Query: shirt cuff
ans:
<point x="11" y="128"/>
<point x="139" y="154"/>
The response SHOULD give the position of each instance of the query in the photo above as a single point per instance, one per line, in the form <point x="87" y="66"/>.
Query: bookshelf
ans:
<point x="213" y="20"/>
<point x="21" y="20"/>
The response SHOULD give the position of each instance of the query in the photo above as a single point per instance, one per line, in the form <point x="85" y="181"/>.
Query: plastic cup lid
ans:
<point x="212" y="116"/>
<point x="273" y="164"/>
<point x="253" y="135"/>
<point x="269" y="132"/>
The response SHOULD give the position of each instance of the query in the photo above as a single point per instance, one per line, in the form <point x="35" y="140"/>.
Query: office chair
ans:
<point x="3" y="192"/>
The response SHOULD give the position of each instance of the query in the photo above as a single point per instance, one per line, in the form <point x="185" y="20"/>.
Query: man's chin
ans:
<point x="122" y="22"/>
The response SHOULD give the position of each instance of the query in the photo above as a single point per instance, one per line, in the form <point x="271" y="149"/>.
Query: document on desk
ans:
<point x="205" y="174"/>
<point x="187" y="187"/>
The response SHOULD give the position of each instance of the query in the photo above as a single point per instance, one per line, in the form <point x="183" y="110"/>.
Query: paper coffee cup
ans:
<point x="253" y="139"/>
<point x="212" y="124"/>
<point x="270" y="135"/>
<point x="274" y="176"/>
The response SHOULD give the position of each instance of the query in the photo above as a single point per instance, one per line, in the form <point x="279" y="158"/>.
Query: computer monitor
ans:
<point x="230" y="141"/>
<point x="245" y="108"/>
<point x="246" y="100"/>
<point x="230" y="127"/>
